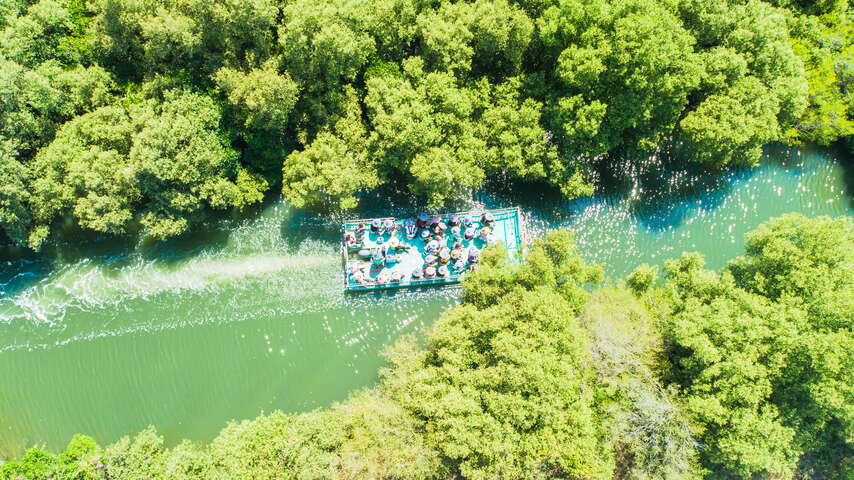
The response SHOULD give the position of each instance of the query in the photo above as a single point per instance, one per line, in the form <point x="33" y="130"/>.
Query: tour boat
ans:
<point x="424" y="250"/>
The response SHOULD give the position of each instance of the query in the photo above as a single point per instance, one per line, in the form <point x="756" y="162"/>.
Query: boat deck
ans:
<point x="410" y="255"/>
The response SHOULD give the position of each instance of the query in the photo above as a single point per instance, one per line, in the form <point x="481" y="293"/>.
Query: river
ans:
<point x="107" y="336"/>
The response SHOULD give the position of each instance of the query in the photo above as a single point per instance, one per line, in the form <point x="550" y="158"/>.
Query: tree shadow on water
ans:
<point x="663" y="191"/>
<point x="299" y="226"/>
<point x="660" y="192"/>
<point x="846" y="161"/>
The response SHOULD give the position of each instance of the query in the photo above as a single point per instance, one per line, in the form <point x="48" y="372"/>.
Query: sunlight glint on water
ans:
<point x="239" y="318"/>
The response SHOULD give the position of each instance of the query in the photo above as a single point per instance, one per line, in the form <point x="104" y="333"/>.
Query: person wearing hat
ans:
<point x="455" y="233"/>
<point x="434" y="222"/>
<point x="432" y="246"/>
<point x="470" y="232"/>
<point x="484" y="233"/>
<point x="459" y="266"/>
<point x="377" y="258"/>
<point x="440" y="229"/>
<point x="358" y="277"/>
<point x="430" y="272"/>
<point x="467" y="221"/>
<point x="360" y="229"/>
<point x="456" y="253"/>
<point x="486" y="219"/>
<point x="417" y="273"/>
<point x="454" y="220"/>
<point x="474" y="255"/>
<point x="351" y="241"/>
<point x="443" y="271"/>
<point x="430" y="260"/>
<point x="396" y="276"/>
<point x="425" y="235"/>
<point x="422" y="221"/>
<point x="444" y="255"/>
<point x="376" y="225"/>
<point x="409" y="227"/>
<point x="388" y="226"/>
<point x="393" y="243"/>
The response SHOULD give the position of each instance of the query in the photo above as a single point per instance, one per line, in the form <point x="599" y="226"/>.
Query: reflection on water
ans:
<point x="107" y="335"/>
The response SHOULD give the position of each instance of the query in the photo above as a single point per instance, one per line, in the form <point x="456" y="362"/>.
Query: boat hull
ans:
<point x="507" y="228"/>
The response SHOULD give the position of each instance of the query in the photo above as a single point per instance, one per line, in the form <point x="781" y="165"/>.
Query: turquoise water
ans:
<point x="106" y="336"/>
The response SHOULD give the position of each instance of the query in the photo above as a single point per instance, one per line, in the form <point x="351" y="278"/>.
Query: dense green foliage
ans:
<point x="103" y="103"/>
<point x="823" y="37"/>
<point x="742" y="374"/>
<point x="763" y="353"/>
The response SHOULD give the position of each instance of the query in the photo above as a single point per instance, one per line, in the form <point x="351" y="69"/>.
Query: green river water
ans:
<point x="105" y="336"/>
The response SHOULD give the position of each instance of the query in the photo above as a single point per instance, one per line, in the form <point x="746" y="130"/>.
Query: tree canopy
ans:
<point x="763" y="353"/>
<point x="444" y="97"/>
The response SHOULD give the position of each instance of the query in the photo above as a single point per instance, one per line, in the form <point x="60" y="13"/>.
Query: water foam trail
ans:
<point x="121" y="293"/>
<point x="98" y="298"/>
<point x="90" y="285"/>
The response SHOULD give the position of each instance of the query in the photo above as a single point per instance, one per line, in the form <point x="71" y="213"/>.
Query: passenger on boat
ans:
<point x="474" y="255"/>
<point x="382" y="278"/>
<point x="470" y="232"/>
<point x="425" y="235"/>
<point x="378" y="258"/>
<point x="444" y="255"/>
<point x="455" y="233"/>
<point x="410" y="228"/>
<point x="394" y="243"/>
<point x="417" y="273"/>
<point x="351" y="241"/>
<point x="484" y="233"/>
<point x="434" y="221"/>
<point x="486" y="219"/>
<point x="430" y="260"/>
<point x="440" y="228"/>
<point x="358" y="277"/>
<point x="459" y="267"/>
<point x="456" y="253"/>
<point x="431" y="247"/>
<point x="396" y="276"/>
<point x="389" y="226"/>
<point x="360" y="230"/>
<point x="443" y="271"/>
<point x="422" y="221"/>
<point x="454" y="221"/>
<point x="430" y="272"/>
<point x="376" y="225"/>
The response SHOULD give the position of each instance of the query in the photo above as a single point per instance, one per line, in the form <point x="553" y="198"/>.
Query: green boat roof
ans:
<point x="410" y="255"/>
